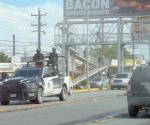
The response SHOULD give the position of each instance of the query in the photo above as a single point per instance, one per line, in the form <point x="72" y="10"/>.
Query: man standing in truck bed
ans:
<point x="38" y="57"/>
<point x="53" y="59"/>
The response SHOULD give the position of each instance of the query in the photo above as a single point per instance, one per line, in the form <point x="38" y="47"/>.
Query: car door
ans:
<point x="48" y="83"/>
<point x="57" y="82"/>
<point x="140" y="82"/>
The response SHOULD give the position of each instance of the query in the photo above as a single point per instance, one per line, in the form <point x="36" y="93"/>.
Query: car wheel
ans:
<point x="70" y="92"/>
<point x="112" y="88"/>
<point x="32" y="101"/>
<point x="133" y="111"/>
<point x="63" y="94"/>
<point x="39" y="98"/>
<point x="5" y="102"/>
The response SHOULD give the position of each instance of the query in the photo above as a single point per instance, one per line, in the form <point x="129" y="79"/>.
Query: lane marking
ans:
<point x="105" y="119"/>
<point x="18" y="108"/>
<point x="98" y="122"/>
<point x="2" y="110"/>
<point x="85" y="90"/>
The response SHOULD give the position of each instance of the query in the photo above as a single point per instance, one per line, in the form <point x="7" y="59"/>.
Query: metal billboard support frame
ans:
<point x="102" y="31"/>
<point x="120" y="47"/>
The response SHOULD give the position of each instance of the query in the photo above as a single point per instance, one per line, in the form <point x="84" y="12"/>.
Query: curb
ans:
<point x="85" y="90"/>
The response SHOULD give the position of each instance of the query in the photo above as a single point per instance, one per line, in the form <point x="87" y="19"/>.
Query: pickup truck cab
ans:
<point x="33" y="83"/>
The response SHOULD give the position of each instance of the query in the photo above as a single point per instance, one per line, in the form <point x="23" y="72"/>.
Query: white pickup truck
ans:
<point x="33" y="83"/>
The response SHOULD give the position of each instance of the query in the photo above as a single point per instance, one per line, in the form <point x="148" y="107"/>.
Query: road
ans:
<point x="93" y="108"/>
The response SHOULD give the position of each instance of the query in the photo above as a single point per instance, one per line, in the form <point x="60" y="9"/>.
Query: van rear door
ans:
<point x="140" y="82"/>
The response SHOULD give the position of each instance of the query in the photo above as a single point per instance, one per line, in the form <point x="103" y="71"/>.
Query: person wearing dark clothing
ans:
<point x="53" y="59"/>
<point x="4" y="76"/>
<point x="100" y="61"/>
<point x="38" y="57"/>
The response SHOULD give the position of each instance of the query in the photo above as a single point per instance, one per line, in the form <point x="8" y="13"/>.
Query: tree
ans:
<point x="110" y="52"/>
<point x="4" y="58"/>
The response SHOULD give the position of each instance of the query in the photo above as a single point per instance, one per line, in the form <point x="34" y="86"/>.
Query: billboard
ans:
<point x="97" y="8"/>
<point x="131" y="7"/>
<point x="141" y="29"/>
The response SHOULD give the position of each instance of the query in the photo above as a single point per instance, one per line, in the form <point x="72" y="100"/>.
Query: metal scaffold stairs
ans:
<point x="93" y="69"/>
<point x="77" y="55"/>
<point x="91" y="73"/>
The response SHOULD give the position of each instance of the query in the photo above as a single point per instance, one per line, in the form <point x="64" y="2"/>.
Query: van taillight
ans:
<point x="129" y="88"/>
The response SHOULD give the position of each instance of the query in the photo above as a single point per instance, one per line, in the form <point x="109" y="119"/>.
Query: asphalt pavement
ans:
<point x="50" y="101"/>
<point x="92" y="108"/>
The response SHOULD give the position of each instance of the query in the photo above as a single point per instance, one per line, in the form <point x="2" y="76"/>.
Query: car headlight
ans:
<point x="30" y="85"/>
<point x="1" y="83"/>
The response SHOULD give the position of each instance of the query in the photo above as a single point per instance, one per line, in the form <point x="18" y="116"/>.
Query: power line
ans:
<point x="6" y="3"/>
<point x="29" y="42"/>
<point x="39" y="26"/>
<point x="21" y="11"/>
<point x="6" y="40"/>
<point x="14" y="28"/>
<point x="13" y="18"/>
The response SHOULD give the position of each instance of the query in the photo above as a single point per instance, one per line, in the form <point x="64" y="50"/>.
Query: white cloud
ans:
<point x="18" y="20"/>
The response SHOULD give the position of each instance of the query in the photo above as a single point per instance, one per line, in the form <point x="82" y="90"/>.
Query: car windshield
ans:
<point x="122" y="76"/>
<point x="27" y="73"/>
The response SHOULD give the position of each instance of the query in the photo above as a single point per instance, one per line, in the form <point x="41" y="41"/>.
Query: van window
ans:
<point x="140" y="75"/>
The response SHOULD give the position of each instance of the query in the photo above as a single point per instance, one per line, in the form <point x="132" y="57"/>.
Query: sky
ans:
<point x="15" y="18"/>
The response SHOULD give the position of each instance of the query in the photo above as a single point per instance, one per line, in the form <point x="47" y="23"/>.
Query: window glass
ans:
<point x="46" y="72"/>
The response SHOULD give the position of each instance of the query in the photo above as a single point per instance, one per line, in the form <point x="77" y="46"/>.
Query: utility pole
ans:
<point x="133" y="50"/>
<point x="87" y="48"/>
<point x="14" y="45"/>
<point x="39" y="26"/>
<point x="25" y="55"/>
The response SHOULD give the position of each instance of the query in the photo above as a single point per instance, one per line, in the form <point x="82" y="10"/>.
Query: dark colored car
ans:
<point x="32" y="83"/>
<point x="138" y="94"/>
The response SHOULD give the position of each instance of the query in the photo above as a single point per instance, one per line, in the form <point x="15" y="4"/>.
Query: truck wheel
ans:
<point x="70" y="92"/>
<point x="63" y="94"/>
<point x="133" y="111"/>
<point x="5" y="102"/>
<point x="32" y="101"/>
<point x="39" y="98"/>
<point x="101" y="87"/>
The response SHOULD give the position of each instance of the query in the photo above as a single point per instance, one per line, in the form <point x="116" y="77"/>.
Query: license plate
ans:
<point x="13" y="95"/>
